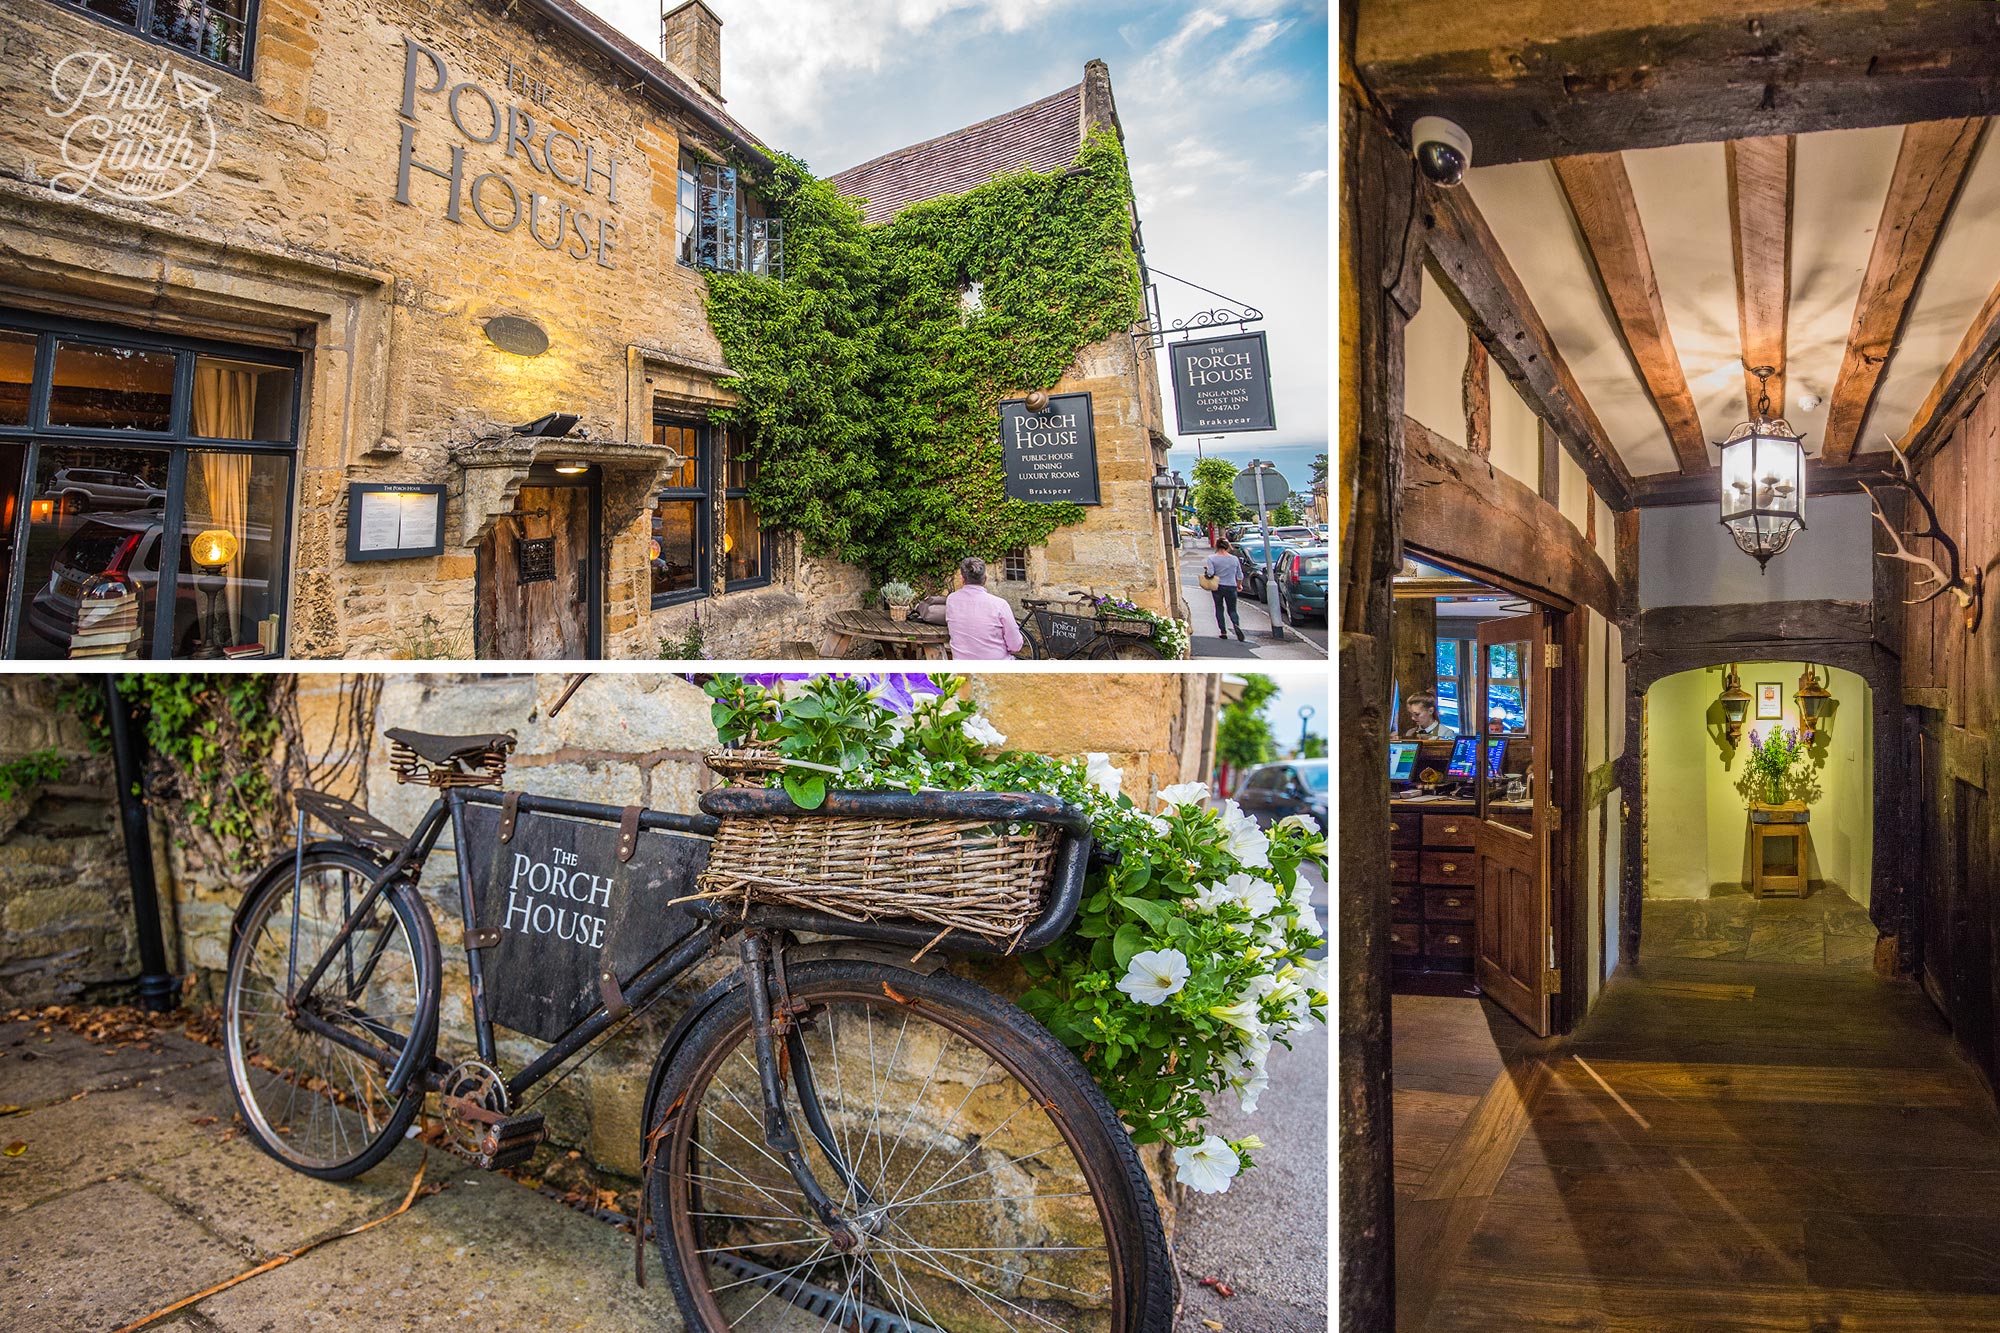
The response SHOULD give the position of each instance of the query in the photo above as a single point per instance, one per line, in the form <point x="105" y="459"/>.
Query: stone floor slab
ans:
<point x="39" y="1068"/>
<point x="99" y="1257"/>
<point x="74" y="1143"/>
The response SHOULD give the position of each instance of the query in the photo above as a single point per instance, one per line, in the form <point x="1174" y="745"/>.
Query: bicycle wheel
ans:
<point x="996" y="1188"/>
<point x="315" y="1104"/>
<point x="1124" y="648"/>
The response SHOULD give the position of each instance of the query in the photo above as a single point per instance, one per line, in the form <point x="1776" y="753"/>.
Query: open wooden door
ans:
<point x="1513" y="955"/>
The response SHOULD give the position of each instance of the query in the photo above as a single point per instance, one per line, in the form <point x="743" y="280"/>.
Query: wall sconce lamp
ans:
<point x="1735" y="701"/>
<point x="572" y="467"/>
<point x="1815" y="703"/>
<point x="551" y="427"/>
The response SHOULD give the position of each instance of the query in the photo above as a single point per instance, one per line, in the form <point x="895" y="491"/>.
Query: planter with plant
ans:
<point x="1189" y="956"/>
<point x="1776" y="766"/>
<point x="899" y="597"/>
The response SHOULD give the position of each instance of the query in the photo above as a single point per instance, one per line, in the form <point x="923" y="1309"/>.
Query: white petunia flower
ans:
<point x="1303" y="909"/>
<point x="1247" y="842"/>
<point x="1248" y="1076"/>
<point x="1258" y="897"/>
<point x="1157" y="824"/>
<point x="1184" y="793"/>
<point x="1208" y="1167"/>
<point x="1242" y="1015"/>
<point x="1208" y="897"/>
<point x="1306" y="822"/>
<point x="1097" y="767"/>
<point x="981" y="732"/>
<point x="1154" y="975"/>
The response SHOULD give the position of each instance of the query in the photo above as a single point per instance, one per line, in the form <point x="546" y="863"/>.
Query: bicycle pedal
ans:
<point x="512" y="1141"/>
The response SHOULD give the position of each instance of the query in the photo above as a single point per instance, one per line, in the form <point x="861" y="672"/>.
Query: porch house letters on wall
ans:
<point x="494" y="197"/>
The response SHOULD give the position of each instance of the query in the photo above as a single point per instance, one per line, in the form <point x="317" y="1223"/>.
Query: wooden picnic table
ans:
<point x="899" y="638"/>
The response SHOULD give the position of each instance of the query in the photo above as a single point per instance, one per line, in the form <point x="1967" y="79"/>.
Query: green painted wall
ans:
<point x="1697" y="822"/>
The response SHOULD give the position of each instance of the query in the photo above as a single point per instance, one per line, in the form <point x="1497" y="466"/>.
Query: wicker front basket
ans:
<point x="964" y="874"/>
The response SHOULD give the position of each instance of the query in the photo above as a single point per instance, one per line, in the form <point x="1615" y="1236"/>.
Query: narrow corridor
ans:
<point x="1721" y="1146"/>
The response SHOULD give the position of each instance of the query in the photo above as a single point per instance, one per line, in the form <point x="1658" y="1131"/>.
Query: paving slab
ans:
<point x="38" y="1068"/>
<point x="102" y="1256"/>
<point x="74" y="1143"/>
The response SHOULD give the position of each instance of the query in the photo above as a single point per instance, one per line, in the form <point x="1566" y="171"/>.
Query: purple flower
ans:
<point x="896" y="691"/>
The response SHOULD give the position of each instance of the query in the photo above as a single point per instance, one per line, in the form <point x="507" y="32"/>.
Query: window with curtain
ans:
<point x="745" y="544"/>
<point x="146" y="487"/>
<point x="680" y="518"/>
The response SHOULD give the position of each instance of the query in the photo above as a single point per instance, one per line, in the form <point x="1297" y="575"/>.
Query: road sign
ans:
<point x="1267" y="479"/>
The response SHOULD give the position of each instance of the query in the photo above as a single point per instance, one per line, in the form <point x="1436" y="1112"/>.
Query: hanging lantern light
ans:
<point x="1814" y="701"/>
<point x="1763" y="480"/>
<point x="1735" y="701"/>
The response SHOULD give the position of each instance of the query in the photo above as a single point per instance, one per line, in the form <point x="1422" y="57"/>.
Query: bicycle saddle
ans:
<point x="449" y="749"/>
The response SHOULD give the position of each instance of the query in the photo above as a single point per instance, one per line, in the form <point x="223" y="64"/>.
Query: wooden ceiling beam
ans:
<point x="1677" y="488"/>
<point x="1959" y="384"/>
<point x="1485" y="290"/>
<point x="1930" y="166"/>
<point x="1529" y="80"/>
<point x="1600" y="198"/>
<point x="1761" y="174"/>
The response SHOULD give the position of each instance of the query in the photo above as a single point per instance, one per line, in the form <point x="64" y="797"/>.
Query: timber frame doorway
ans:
<point x="541" y="572"/>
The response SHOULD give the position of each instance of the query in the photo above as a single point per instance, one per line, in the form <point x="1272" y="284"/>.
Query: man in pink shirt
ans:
<point x="982" y="625"/>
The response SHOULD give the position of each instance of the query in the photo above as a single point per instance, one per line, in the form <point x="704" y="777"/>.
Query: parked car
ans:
<point x="1302" y="584"/>
<point x="1294" y="533"/>
<point x="1252" y="551"/>
<point x="1271" y="792"/>
<point x="82" y="489"/>
<point x="128" y="546"/>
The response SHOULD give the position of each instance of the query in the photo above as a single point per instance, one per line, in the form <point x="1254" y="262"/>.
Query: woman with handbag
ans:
<point x="1221" y="574"/>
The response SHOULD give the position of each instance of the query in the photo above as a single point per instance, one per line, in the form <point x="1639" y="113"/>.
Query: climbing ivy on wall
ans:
<point x="869" y="390"/>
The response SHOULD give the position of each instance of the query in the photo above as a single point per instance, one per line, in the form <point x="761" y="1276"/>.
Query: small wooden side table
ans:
<point x="1778" y="849"/>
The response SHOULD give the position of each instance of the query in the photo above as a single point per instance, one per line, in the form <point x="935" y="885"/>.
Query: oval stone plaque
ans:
<point x="512" y="333"/>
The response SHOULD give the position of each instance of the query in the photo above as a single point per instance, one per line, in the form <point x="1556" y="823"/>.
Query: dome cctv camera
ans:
<point x="1443" y="150"/>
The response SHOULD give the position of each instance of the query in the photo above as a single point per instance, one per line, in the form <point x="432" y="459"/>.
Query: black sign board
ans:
<point x="1050" y="456"/>
<point x="394" y="520"/>
<point x="1063" y="635"/>
<point x="562" y="901"/>
<point x="1222" y="385"/>
<point x="535" y="559"/>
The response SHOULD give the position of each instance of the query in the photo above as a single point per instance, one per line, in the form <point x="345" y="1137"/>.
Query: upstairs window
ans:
<point x="217" y="32"/>
<point x="722" y="227"/>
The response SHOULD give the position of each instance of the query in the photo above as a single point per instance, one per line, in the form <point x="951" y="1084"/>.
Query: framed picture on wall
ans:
<point x="1770" y="700"/>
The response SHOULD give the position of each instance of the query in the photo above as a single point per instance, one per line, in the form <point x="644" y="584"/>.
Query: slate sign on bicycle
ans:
<point x="1064" y="634"/>
<point x="562" y="901"/>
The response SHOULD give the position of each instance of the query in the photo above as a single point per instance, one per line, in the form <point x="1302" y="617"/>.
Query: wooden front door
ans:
<point x="538" y="576"/>
<point x="1512" y="955"/>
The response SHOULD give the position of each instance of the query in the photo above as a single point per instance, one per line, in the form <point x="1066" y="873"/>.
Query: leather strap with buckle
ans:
<point x="628" y="831"/>
<point x="510" y="810"/>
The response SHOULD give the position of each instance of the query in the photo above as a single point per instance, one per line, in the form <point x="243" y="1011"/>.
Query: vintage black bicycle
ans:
<point x="836" y="1136"/>
<point x="1076" y="627"/>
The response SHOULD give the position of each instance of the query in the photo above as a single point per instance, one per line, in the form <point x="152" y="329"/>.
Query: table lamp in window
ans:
<point x="212" y="549"/>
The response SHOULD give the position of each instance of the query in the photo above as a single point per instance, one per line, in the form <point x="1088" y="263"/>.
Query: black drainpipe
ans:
<point x="158" y="989"/>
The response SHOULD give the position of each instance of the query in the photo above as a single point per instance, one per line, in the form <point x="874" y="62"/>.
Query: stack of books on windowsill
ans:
<point x="107" y="621"/>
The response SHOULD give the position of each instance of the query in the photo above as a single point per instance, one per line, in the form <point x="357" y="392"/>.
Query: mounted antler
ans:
<point x="1969" y="594"/>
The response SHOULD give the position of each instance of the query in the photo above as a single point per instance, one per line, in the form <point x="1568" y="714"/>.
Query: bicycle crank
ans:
<point x="473" y="1098"/>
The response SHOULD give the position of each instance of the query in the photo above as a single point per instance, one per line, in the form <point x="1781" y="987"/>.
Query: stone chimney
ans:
<point x="691" y="41"/>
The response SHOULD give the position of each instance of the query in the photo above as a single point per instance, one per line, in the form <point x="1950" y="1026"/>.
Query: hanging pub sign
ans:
<point x="1222" y="385"/>
<point x="565" y="907"/>
<point x="1050" y="456"/>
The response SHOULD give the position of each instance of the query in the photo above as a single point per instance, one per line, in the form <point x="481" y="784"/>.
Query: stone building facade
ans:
<point x="281" y="343"/>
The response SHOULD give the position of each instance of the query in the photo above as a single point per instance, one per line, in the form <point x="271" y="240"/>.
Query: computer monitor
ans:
<point x="1464" y="757"/>
<point x="1496" y="755"/>
<point x="1402" y="759"/>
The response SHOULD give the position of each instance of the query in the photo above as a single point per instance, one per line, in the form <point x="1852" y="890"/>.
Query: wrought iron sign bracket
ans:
<point x="1156" y="331"/>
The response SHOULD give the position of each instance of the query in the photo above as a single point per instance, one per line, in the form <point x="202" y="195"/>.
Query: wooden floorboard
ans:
<point x="1767" y="1147"/>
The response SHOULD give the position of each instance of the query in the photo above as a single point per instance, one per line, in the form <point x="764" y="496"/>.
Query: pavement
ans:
<point x="1302" y="642"/>
<point x="124" y="1189"/>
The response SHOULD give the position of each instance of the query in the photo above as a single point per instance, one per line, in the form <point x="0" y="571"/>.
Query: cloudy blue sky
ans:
<point x="1224" y="104"/>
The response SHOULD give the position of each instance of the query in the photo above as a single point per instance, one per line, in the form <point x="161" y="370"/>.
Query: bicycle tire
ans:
<point x="1053" y="1082"/>
<point x="378" y="1131"/>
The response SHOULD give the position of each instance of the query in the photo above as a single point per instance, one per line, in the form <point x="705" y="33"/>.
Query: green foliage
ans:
<point x="689" y="647"/>
<point x="870" y="394"/>
<point x="1242" y="736"/>
<point x="1314" y="746"/>
<point x="1213" y="495"/>
<point x="1204" y="891"/>
<point x="430" y="640"/>
<point x="1284" y="516"/>
<point x="215" y="743"/>
<point x="1319" y="472"/>
<point x="29" y="771"/>
<point x="1777" y="760"/>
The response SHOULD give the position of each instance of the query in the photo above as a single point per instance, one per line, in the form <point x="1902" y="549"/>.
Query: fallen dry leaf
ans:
<point x="14" y="1149"/>
<point x="11" y="1109"/>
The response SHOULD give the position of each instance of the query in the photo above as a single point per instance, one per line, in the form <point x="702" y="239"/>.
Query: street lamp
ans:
<point x="1305" y="721"/>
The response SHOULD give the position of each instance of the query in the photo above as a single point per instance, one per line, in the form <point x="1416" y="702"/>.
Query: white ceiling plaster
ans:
<point x="1962" y="272"/>
<point x="1683" y="198"/>
<point x="1524" y="207"/>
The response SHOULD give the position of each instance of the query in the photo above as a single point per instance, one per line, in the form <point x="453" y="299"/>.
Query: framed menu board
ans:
<point x="394" y="521"/>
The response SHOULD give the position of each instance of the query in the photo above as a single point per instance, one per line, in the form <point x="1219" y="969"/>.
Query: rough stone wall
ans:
<point x="65" y="895"/>
<point x="638" y="739"/>
<point x="293" y="237"/>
